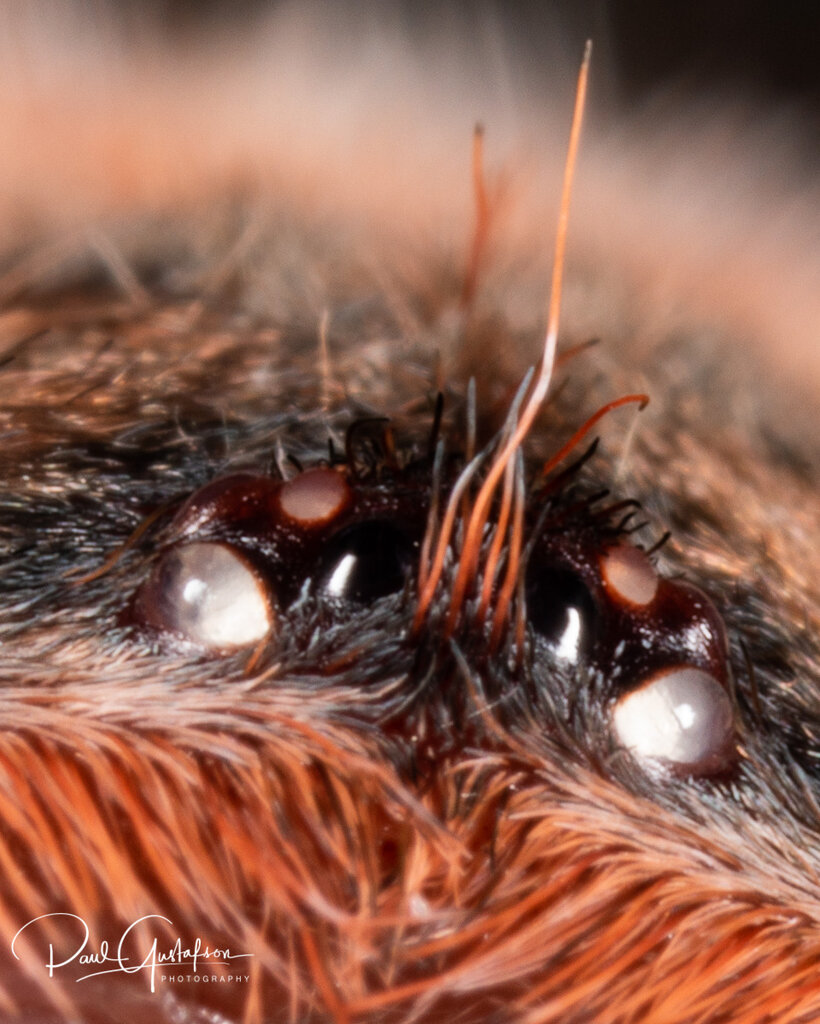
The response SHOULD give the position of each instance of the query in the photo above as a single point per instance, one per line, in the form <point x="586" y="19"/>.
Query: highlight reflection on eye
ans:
<point x="682" y="716"/>
<point x="561" y="609"/>
<point x="365" y="562"/>
<point x="207" y="594"/>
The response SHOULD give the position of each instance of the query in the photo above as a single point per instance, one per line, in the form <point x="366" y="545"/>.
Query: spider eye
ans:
<point x="365" y="562"/>
<point x="314" y="497"/>
<point x="207" y="594"/>
<point x="629" y="576"/>
<point x="562" y="610"/>
<point x="682" y="716"/>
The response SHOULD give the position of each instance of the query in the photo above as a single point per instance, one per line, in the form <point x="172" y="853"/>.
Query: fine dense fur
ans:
<point x="172" y="274"/>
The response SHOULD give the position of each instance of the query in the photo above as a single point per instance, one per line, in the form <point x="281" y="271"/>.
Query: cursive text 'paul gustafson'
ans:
<point x="135" y="951"/>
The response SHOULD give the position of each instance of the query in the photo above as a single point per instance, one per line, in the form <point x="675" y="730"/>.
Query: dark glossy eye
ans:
<point x="207" y="594"/>
<point x="561" y="609"/>
<point x="365" y="562"/>
<point x="682" y="717"/>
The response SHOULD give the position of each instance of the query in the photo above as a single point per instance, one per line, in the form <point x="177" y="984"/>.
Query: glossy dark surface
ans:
<point x="621" y="631"/>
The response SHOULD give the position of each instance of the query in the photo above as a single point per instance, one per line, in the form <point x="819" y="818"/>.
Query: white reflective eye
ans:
<point x="209" y="594"/>
<point x="629" y="575"/>
<point x="683" y="716"/>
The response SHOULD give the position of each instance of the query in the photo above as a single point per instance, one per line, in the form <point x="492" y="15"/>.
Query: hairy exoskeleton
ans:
<point x="416" y="719"/>
<point x="247" y="553"/>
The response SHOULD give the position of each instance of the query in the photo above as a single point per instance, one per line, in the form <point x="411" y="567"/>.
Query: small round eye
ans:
<point x="314" y="497"/>
<point x="365" y="562"/>
<point x="682" y="716"/>
<point x="562" y="610"/>
<point x="206" y="593"/>
<point x="628" y="575"/>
